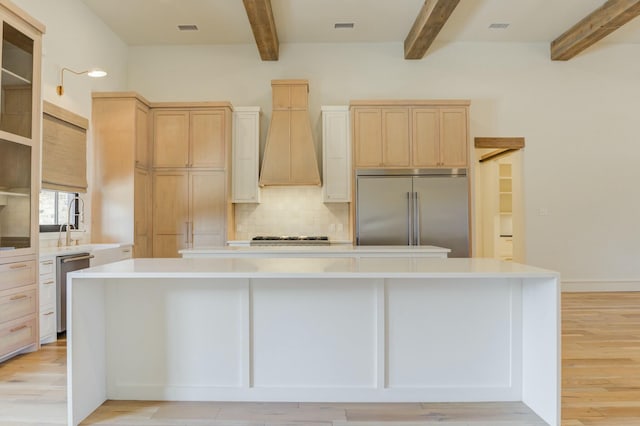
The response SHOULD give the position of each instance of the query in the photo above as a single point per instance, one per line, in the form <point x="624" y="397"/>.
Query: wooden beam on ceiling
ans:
<point x="598" y="24"/>
<point x="263" y="27"/>
<point x="429" y="22"/>
<point x="499" y="143"/>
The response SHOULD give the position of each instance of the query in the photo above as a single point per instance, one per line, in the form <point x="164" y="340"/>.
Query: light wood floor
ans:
<point x="601" y="359"/>
<point x="600" y="386"/>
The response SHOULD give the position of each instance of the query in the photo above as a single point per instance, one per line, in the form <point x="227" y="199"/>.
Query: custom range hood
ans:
<point x="289" y="154"/>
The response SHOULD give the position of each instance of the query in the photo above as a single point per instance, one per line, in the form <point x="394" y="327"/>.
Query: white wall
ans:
<point x="579" y="119"/>
<point x="75" y="38"/>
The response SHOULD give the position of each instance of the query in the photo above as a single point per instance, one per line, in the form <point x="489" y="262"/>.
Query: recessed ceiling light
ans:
<point x="498" y="26"/>
<point x="190" y="27"/>
<point x="339" y="25"/>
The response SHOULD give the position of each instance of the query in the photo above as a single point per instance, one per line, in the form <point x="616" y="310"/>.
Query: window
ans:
<point x="54" y="210"/>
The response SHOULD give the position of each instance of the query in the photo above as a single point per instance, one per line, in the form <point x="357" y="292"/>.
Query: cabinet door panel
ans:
<point x="207" y="204"/>
<point x="303" y="157"/>
<point x="453" y="128"/>
<point x="142" y="136"/>
<point x="168" y="245"/>
<point x="17" y="274"/>
<point x="171" y="139"/>
<point x="281" y="96"/>
<point x="277" y="171"/>
<point x="207" y="139"/>
<point x="141" y="213"/>
<point x="246" y="140"/>
<point x="395" y="137"/>
<point x="170" y="213"/>
<point x="426" y="137"/>
<point x="17" y="305"/>
<point x="368" y="137"/>
<point x="299" y="94"/>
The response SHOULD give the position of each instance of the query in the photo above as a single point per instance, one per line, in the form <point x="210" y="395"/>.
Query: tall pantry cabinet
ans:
<point x="19" y="179"/>
<point x="191" y="184"/>
<point x="161" y="173"/>
<point x="122" y="192"/>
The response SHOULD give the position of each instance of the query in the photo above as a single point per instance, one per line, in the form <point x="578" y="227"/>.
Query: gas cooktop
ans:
<point x="301" y="240"/>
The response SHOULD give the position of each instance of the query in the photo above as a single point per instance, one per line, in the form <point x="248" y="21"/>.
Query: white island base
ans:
<point x="318" y="329"/>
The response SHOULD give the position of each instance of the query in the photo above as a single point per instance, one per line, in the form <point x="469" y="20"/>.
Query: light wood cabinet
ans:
<point x="188" y="210"/>
<point x="190" y="138"/>
<point x="368" y="137"/>
<point x="245" y="154"/>
<point x="18" y="306"/>
<point x="142" y="140"/>
<point x="439" y="137"/>
<point x="122" y="196"/>
<point x="336" y="151"/>
<point x="399" y="134"/>
<point x="20" y="131"/>
<point x="171" y="138"/>
<point x="382" y="137"/>
<point x="453" y="137"/>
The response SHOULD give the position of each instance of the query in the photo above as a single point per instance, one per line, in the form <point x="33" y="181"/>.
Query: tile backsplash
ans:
<point x="295" y="210"/>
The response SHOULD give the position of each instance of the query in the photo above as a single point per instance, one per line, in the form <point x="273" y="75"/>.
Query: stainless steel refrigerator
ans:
<point x="413" y="207"/>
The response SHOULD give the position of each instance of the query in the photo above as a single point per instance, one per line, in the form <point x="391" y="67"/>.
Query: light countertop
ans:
<point x="317" y="249"/>
<point x="82" y="248"/>
<point x="314" y="267"/>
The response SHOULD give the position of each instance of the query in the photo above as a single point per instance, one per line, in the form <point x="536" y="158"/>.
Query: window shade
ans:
<point x="64" y="150"/>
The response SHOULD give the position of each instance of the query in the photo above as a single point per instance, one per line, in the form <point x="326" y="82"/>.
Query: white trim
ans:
<point x="574" y="286"/>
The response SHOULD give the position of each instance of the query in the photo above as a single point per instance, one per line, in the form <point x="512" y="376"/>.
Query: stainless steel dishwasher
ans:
<point x="66" y="264"/>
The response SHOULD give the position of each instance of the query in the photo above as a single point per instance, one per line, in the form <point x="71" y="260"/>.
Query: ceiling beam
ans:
<point x="263" y="27"/>
<point x="598" y="24"/>
<point x="430" y="20"/>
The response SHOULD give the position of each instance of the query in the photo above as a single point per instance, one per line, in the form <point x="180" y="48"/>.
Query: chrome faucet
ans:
<point x="80" y="214"/>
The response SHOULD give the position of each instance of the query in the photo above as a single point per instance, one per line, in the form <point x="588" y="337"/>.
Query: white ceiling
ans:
<point x="153" y="22"/>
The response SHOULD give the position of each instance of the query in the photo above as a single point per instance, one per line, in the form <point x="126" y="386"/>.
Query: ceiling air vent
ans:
<point x="498" y="26"/>
<point x="188" y="27"/>
<point x="339" y="25"/>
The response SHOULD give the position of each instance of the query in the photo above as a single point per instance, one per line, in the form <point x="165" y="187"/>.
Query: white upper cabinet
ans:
<point x="245" y="152"/>
<point x="336" y="149"/>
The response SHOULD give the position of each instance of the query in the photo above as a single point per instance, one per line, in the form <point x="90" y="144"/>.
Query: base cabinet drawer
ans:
<point x="47" y="266"/>
<point x="17" y="305"/>
<point x="48" y="325"/>
<point x="47" y="290"/>
<point x="17" y="335"/>
<point x="17" y="274"/>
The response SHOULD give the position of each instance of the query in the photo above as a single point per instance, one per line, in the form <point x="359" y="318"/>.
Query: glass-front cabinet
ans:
<point x="20" y="112"/>
<point x="16" y="81"/>
<point x="15" y="196"/>
<point x="20" y="118"/>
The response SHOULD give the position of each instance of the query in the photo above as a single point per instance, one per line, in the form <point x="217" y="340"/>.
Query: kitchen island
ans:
<point x="346" y="329"/>
<point x="328" y="250"/>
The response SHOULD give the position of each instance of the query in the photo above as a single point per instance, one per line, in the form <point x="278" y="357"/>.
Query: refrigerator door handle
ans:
<point x="410" y="218"/>
<point x="416" y="219"/>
